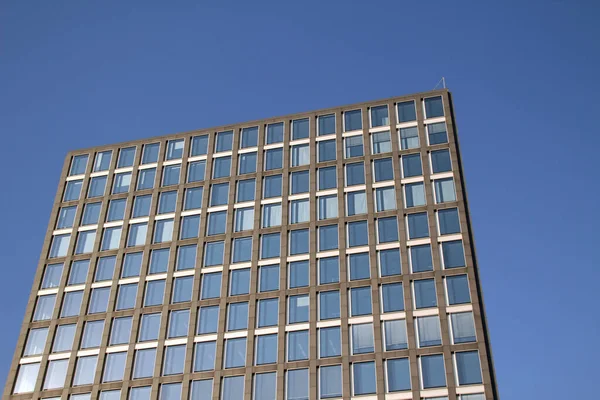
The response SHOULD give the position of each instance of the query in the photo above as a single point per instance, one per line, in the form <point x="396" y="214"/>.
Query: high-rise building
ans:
<point x="326" y="254"/>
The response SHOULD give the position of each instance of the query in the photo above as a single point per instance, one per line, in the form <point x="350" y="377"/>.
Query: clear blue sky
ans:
<point x="525" y="82"/>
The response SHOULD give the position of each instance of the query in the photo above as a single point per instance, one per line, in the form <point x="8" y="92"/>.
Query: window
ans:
<point x="266" y="349"/>
<point x="274" y="159"/>
<point x="457" y="287"/>
<point x="440" y="161"/>
<point x="221" y="167"/>
<point x="297" y="384"/>
<point x="268" y="312"/>
<point x="298" y="309"/>
<point x="382" y="142"/>
<point x="174" y="149"/>
<point x="328" y="237"/>
<point x="196" y="171"/>
<point x="300" y="155"/>
<point x="462" y="327"/>
<point x="242" y="249"/>
<point x="121" y="331"/>
<point x="36" y="340"/>
<point x="99" y="300"/>
<point x="271" y="215"/>
<point x="270" y="245"/>
<point x="163" y="230"/>
<point x="437" y="133"/>
<point x="352" y="120"/>
<point x="434" y="107"/>
<point x="330" y="382"/>
<point x="329" y="342"/>
<point x="159" y="260"/>
<point x="411" y="165"/>
<point x="122" y="182"/>
<point x="362" y="338"/>
<point x="96" y="188"/>
<point x="383" y="169"/>
<point x="146" y="178"/>
<point x="299" y="241"/>
<point x="326" y="124"/>
<point x="360" y="301"/>
<point x="268" y="278"/>
<point x="299" y="181"/>
<point x="389" y="262"/>
<point x="386" y="198"/>
<point x="141" y="206"/>
<point x="190" y="226"/>
<point x="327" y="178"/>
<point x="432" y="371"/>
<point x="126" y="157"/>
<point x="326" y="150"/>
<point x="448" y="221"/>
<point x="409" y="138"/>
<point x="393" y="297"/>
<point x="114" y="368"/>
<point x="387" y="229"/>
<point x="170" y="391"/>
<point x="468" y="368"/>
<point x="182" y="290"/>
<point x="244" y="219"/>
<point x="363" y="378"/>
<point x="26" y="378"/>
<point x="425" y="295"/>
<point x="355" y="174"/>
<point x="249" y="137"/>
<point x="72" y="190"/>
<point x="297" y="345"/>
<point x="214" y="253"/>
<point x="275" y="133"/>
<point x="444" y="190"/>
<point x="71" y="304"/>
<point x="137" y="234"/>
<point x="52" y="276"/>
<point x="358" y="234"/>
<point x="143" y="366"/>
<point x="199" y="145"/>
<point x="235" y="352"/>
<point x="240" y="282"/>
<point x="150" y="324"/>
<point x="298" y="274"/>
<point x="204" y="356"/>
<point x="217" y="222"/>
<point x="356" y="203"/>
<point x="126" y="296"/>
<point x="395" y="335"/>
<point x="329" y="270"/>
<point x="78" y="165"/>
<point x="245" y="190"/>
<point x="415" y="194"/>
<point x="379" y="116"/>
<point x="102" y="161"/>
<point x="85" y="242"/>
<point x="193" y="198"/>
<point x="85" y="370"/>
<point x="111" y="238"/>
<point x="140" y="393"/>
<point x="66" y="216"/>
<point x="247" y="163"/>
<point x="407" y="112"/>
<point x="359" y="266"/>
<point x="299" y="211"/>
<point x="55" y="374"/>
<point x="208" y="320"/>
<point x="272" y="186"/>
<point x="155" y="291"/>
<point x="211" y="286"/>
<point x="167" y="202"/>
<point x="63" y="339"/>
<point x="398" y="374"/>
<point x="171" y="175"/>
<point x="328" y="207"/>
<point x="329" y="305"/>
<point x="233" y="388"/>
<point x="174" y="359"/>
<point x="132" y="264"/>
<point x="453" y="254"/>
<point x="353" y="146"/>
<point x="79" y="270"/>
<point x="224" y="141"/>
<point x="237" y="318"/>
<point x="428" y="331"/>
<point x="91" y="213"/>
<point x="265" y="385"/>
<point x="116" y="210"/>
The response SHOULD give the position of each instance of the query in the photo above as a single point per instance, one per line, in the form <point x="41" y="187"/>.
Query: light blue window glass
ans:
<point x="444" y="190"/>
<point x="272" y="186"/>
<point x="393" y="297"/>
<point x="235" y="352"/>
<point x="457" y="287"/>
<point x="273" y="159"/>
<point x="328" y="237"/>
<point x="85" y="370"/>
<point x="434" y="107"/>
<point x="386" y="198"/>
<point x="420" y="258"/>
<point x="126" y="157"/>
<point x="297" y="346"/>
<point x="182" y="289"/>
<point x="242" y="249"/>
<point x="358" y="234"/>
<point x="99" y="300"/>
<point x="331" y="381"/>
<point x="326" y="124"/>
<point x="174" y="360"/>
<point x="204" y="356"/>
<point x="468" y="368"/>
<point x="150" y="153"/>
<point x="299" y="211"/>
<point x="409" y="138"/>
<point x="440" y="161"/>
<point x="97" y="186"/>
<point x="329" y="342"/>
<point x="224" y="141"/>
<point x="448" y="221"/>
<point x="146" y="178"/>
<point x="246" y="190"/>
<point x="137" y="234"/>
<point x="150" y="326"/>
<point x="193" y="198"/>
<point x="140" y="393"/>
<point x="91" y="213"/>
<point x="326" y="150"/>
<point x="85" y="242"/>
<point x="299" y="241"/>
<point x="126" y="296"/>
<point x="364" y="381"/>
<point x="143" y="366"/>
<point x="362" y="338"/>
<point x="407" y="111"/>
<point x="356" y="203"/>
<point x="170" y="391"/>
<point x="163" y="230"/>
<point x="463" y="327"/>
<point x="78" y="165"/>
<point x="395" y="335"/>
<point x="120" y="331"/>
<point x="328" y="207"/>
<point x="268" y="278"/>
<point x="199" y="145"/>
<point x="270" y="245"/>
<point x="428" y="331"/>
<point x="179" y="323"/>
<point x="132" y="264"/>
<point x="36" y="340"/>
<point x="265" y="386"/>
<point x="52" y="276"/>
<point x="102" y="161"/>
<point x="208" y="321"/>
<point x="174" y="149"/>
<point x="217" y="222"/>
<point x="244" y="219"/>
<point x="355" y="174"/>
<point x="155" y="291"/>
<point x="437" y="133"/>
<point x="398" y="374"/>
<point x="159" y="261"/>
<point x="453" y="254"/>
<point x="387" y="229"/>
<point x="122" y="182"/>
<point x="359" y="266"/>
<point x="425" y="295"/>
<point x="271" y="215"/>
<point x="111" y="238"/>
<point x="190" y="226"/>
<point x="352" y="120"/>
<point x="79" y="271"/>
<point x="415" y="194"/>
<point x="72" y="190"/>
<point x="110" y="394"/>
<point x="360" y="301"/>
<point x="298" y="274"/>
<point x="297" y="384"/>
<point x="384" y="169"/>
<point x="239" y="282"/>
<point x="411" y="165"/>
<point x="300" y="129"/>
<point x="211" y="286"/>
<point x="249" y="137"/>
<point x="300" y="154"/>
<point x="71" y="304"/>
<point x="275" y="133"/>
<point x="266" y="349"/>
<point x="329" y="270"/>
<point x="379" y="116"/>
<point x="214" y="253"/>
<point x="116" y="210"/>
<point x="329" y="305"/>
<point x="433" y="373"/>
<point x="353" y="146"/>
<point x="92" y="334"/>
<point x="66" y="216"/>
<point x="418" y="226"/>
<point x="141" y="206"/>
<point x="233" y="388"/>
<point x="382" y="142"/>
<point x="298" y="309"/>
<point x="389" y="262"/>
<point x="171" y="175"/>
<point x="196" y="171"/>
<point x="63" y="340"/>
<point x="247" y="163"/>
<point x="268" y="312"/>
<point x="327" y="178"/>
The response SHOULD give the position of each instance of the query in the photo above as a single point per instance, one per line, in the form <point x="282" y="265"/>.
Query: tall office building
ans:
<point x="325" y="254"/>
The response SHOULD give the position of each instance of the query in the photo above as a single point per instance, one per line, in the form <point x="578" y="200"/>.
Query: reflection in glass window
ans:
<point x="247" y="163"/>
<point x="246" y="190"/>
<point x="298" y="274"/>
<point x="211" y="286"/>
<point x="407" y="111"/>
<point x="63" y="339"/>
<point x="26" y="378"/>
<point x="300" y="155"/>
<point x="326" y="150"/>
<point x="468" y="367"/>
<point x="97" y="186"/>
<point x="208" y="320"/>
<point x="329" y="342"/>
<point x="364" y="381"/>
<point x="199" y="145"/>
<point x="355" y="174"/>
<point x="146" y="178"/>
<point x="362" y="338"/>
<point x="274" y="159"/>
<point x="382" y="142"/>
<point x="102" y="161"/>
<point x="414" y="194"/>
<point x="174" y="149"/>
<point x="270" y="245"/>
<point x="224" y="141"/>
<point x="221" y="167"/>
<point x="275" y="133"/>
<point x="72" y="190"/>
<point x="453" y="254"/>
<point x="329" y="270"/>
<point x="272" y="186"/>
<point x="268" y="278"/>
<point x="356" y="202"/>
<point x="395" y="335"/>
<point x="271" y="215"/>
<point x="217" y="222"/>
<point x="428" y="331"/>
<point x="249" y="137"/>
<point x="353" y="146"/>
<point x="55" y="374"/>
<point x="298" y="309"/>
<point x="36" y="340"/>
<point x="235" y="352"/>
<point x="393" y="297"/>
<point x="389" y="262"/>
<point x="52" y="276"/>
<point x="122" y="182"/>
<point x="150" y="153"/>
<point x="297" y="345"/>
<point x="433" y="373"/>
<point x="299" y="182"/>
<point x="196" y="171"/>
<point x="352" y="120"/>
<point x="66" y="216"/>
<point x="78" y="165"/>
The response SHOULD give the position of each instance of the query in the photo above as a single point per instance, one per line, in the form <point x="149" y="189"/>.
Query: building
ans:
<point x="337" y="262"/>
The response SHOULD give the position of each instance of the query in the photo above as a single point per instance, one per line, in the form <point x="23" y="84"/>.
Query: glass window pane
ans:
<point x="55" y="374"/>
<point x="355" y="174"/>
<point x="437" y="133"/>
<point x="328" y="207"/>
<point x="352" y="120"/>
<point x="354" y="146"/>
<point x="300" y="155"/>
<point x="329" y="342"/>
<point x="379" y="116"/>
<point x="398" y="374"/>
<point x="235" y="353"/>
<point x="389" y="262"/>
<point x="149" y="327"/>
<point x="299" y="241"/>
<point x="244" y="219"/>
<point x="298" y="274"/>
<point x="63" y="340"/>
<point x="217" y="221"/>
<point x="52" y="276"/>
<point x="143" y="366"/>
<point x="448" y="220"/>
<point x="468" y="368"/>
<point x="358" y="234"/>
<point x="432" y="371"/>
<point x="174" y="360"/>
<point x="146" y="178"/>
<point x="356" y="203"/>
<point x="265" y="386"/>
<point x="66" y="216"/>
<point x="359" y="266"/>
<point x="214" y="253"/>
<point x="407" y="111"/>
<point x="182" y="290"/>
<point x="463" y="327"/>
<point x="114" y="369"/>
<point x="233" y="388"/>
<point x="132" y="264"/>
<point x="364" y="381"/>
<point x="141" y="206"/>
<point x="247" y="163"/>
<point x="121" y="330"/>
<point x="249" y="137"/>
<point x="444" y="190"/>
<point x="330" y="381"/>
<point x="275" y="133"/>
<point x="91" y="213"/>
<point x="440" y="161"/>
<point x="246" y="190"/>
<point x="272" y="186"/>
<point x="383" y="169"/>
<point x="411" y="165"/>
<point x="240" y="282"/>
<point x="26" y="378"/>
<point x="266" y="349"/>
<point x="97" y="186"/>
<point x="270" y="245"/>
<point x="102" y="161"/>
<point x="297" y="384"/>
<point x="155" y="291"/>
<point x="193" y="198"/>
<point x="300" y="129"/>
<point x="85" y="370"/>
<point x="163" y="230"/>
<point x="199" y="145"/>
<point x="196" y="171"/>
<point x="224" y="141"/>
<point x="268" y="312"/>
<point x="167" y="202"/>
<point x="362" y="339"/>
<point x="111" y="238"/>
<point x="242" y="249"/>
<point x="328" y="237"/>
<point x="393" y="297"/>
<point x="425" y="295"/>
<point x="122" y="182"/>
<point x="329" y="270"/>
<point x="420" y="258"/>
<point x="221" y="167"/>
<point x="434" y="107"/>
<point x="126" y="296"/>
<point x="237" y="318"/>
<point x="36" y="340"/>
<point x="327" y="151"/>
<point x="386" y="198"/>
<point x="85" y="242"/>
<point x="271" y="215"/>
<point x="382" y="142"/>
<point x="326" y="124"/>
<point x="453" y="254"/>
<point x="190" y="226"/>
<point x="140" y="393"/>
<point x="72" y="190"/>
<point x="387" y="230"/>
<point x="126" y="157"/>
<point x="409" y="138"/>
<point x="395" y="335"/>
<point x="329" y="305"/>
<point x="418" y="226"/>
<point x="79" y="271"/>
<point x="273" y="159"/>
<point x="360" y="301"/>
<point x="159" y="261"/>
<point x="299" y="211"/>
<point x="174" y="149"/>
<point x="208" y="320"/>
<point x="71" y="304"/>
<point x="137" y="234"/>
<point x="327" y="178"/>
<point x="458" y="289"/>
<point x="78" y="165"/>
<point x="204" y="356"/>
<point x="297" y="345"/>
<point x="298" y="309"/>
<point x="99" y="300"/>
<point x="268" y="278"/>
<point x="415" y="194"/>
<point x="116" y="210"/>
<point x="428" y="330"/>
<point x="170" y="391"/>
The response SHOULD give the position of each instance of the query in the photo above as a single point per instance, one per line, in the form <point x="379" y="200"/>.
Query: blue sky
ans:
<point x="524" y="76"/>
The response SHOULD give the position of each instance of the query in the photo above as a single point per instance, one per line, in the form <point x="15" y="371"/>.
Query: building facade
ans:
<point x="326" y="254"/>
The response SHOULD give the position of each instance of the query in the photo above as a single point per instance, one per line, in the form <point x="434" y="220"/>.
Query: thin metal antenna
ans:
<point x="442" y="81"/>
